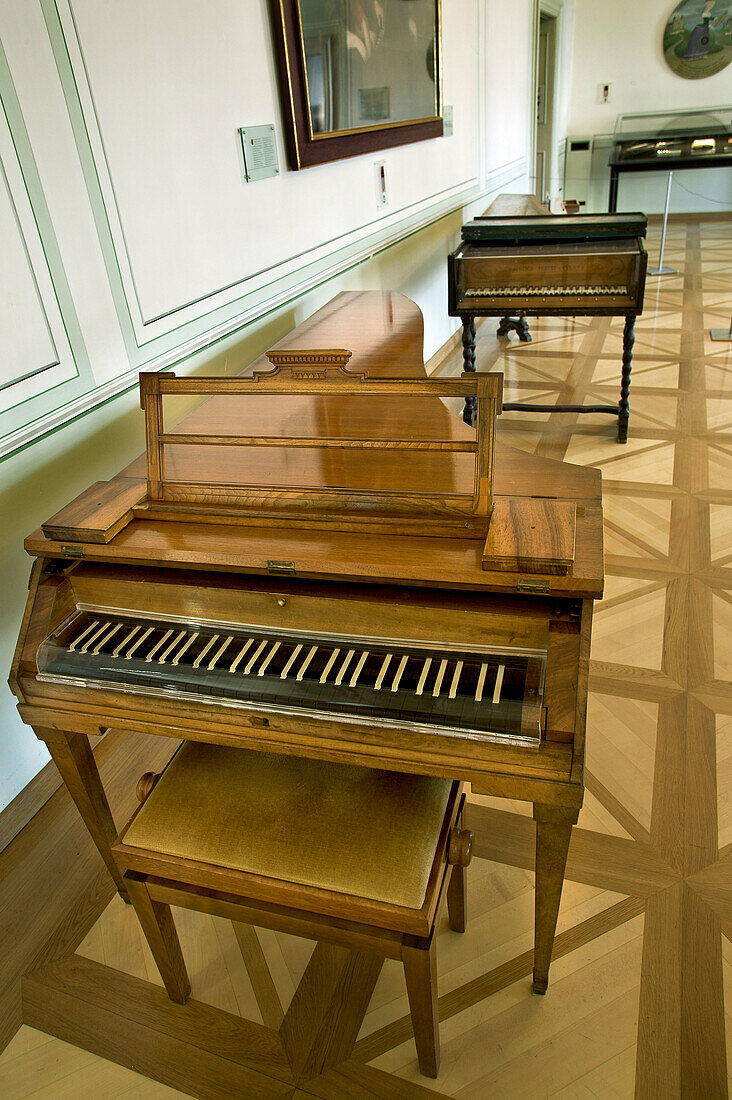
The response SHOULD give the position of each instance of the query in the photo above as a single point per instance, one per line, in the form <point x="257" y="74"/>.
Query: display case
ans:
<point x="654" y="141"/>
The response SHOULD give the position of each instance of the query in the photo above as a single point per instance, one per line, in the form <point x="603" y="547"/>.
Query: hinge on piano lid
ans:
<point x="73" y="551"/>
<point x="538" y="588"/>
<point x="286" y="568"/>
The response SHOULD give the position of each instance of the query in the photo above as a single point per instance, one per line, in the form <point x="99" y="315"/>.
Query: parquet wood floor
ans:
<point x="641" y="986"/>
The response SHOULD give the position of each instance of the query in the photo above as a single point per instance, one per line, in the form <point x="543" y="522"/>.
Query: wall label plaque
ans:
<point x="259" y="148"/>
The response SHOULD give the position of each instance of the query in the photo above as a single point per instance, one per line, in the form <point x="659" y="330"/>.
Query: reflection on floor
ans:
<point x="643" y="959"/>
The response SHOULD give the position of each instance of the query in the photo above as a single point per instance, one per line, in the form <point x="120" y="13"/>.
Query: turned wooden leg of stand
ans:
<point x="420" y="971"/>
<point x="469" y="365"/>
<point x="519" y="325"/>
<point x="522" y="328"/>
<point x="624" y="403"/>
<point x="553" y="832"/>
<point x="73" y="756"/>
<point x="156" y="920"/>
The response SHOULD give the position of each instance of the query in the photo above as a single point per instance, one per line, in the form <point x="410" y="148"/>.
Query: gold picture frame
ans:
<point x="342" y="62"/>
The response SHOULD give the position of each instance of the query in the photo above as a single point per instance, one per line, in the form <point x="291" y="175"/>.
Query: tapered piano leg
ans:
<point x="553" y="832"/>
<point x="624" y="403"/>
<point x="469" y="365"/>
<point x="72" y="755"/>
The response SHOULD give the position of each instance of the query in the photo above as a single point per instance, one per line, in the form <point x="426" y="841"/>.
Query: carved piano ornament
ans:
<point x="323" y="560"/>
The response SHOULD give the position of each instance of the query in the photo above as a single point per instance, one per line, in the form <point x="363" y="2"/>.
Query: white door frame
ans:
<point x="553" y="8"/>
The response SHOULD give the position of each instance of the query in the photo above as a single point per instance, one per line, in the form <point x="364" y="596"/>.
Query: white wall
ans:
<point x="148" y="248"/>
<point x="621" y="43"/>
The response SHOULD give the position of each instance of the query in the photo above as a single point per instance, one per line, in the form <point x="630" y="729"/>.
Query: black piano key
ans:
<point x="369" y="672"/>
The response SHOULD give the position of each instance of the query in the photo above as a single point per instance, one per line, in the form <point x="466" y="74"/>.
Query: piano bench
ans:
<point x="354" y="856"/>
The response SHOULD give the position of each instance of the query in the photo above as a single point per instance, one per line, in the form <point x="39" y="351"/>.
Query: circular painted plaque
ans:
<point x="697" y="40"/>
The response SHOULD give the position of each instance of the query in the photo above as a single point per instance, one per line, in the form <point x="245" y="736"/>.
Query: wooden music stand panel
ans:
<point x="98" y="513"/>
<point x="531" y="536"/>
<point x="323" y="372"/>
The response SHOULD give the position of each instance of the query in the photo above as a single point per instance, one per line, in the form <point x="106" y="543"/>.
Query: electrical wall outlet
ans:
<point x="604" y="93"/>
<point x="382" y="196"/>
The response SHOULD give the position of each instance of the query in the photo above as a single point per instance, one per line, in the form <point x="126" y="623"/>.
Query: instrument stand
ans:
<point x="721" y="333"/>
<point x="662" y="269"/>
<point x="621" y="410"/>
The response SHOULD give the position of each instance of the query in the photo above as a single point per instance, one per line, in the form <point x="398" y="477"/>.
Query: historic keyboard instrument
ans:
<point x="542" y="265"/>
<point x="579" y="264"/>
<point x="372" y="582"/>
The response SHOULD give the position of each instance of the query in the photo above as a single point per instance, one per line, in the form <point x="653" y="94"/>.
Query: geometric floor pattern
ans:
<point x="640" y="998"/>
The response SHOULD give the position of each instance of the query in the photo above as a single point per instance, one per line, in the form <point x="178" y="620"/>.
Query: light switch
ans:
<point x="382" y="197"/>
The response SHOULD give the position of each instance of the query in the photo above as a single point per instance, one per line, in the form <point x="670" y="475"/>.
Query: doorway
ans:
<point x="545" y="82"/>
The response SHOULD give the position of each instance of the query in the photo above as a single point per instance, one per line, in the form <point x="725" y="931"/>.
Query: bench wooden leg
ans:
<point x="420" y="971"/>
<point x="456" y="904"/>
<point x="157" y="924"/>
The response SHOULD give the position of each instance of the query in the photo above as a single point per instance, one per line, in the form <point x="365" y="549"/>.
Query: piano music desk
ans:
<point x="418" y="586"/>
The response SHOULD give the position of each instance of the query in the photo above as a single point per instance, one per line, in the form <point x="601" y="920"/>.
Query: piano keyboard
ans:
<point x="480" y="692"/>
<point x="541" y="291"/>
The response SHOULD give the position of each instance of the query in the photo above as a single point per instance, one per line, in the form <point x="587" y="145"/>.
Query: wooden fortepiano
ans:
<point x="230" y="619"/>
<point x="538" y="264"/>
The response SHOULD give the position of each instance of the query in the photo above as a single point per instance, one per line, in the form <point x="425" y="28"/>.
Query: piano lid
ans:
<point x="384" y="331"/>
<point x="554" y="228"/>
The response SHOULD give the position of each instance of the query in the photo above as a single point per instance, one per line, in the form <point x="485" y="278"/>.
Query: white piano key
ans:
<point x="235" y="663"/>
<point x="124" y="642"/>
<point x="83" y="635"/>
<point x="211" y="642"/>
<point x="423" y="675"/>
<point x="498" y="684"/>
<point x="187" y="646"/>
<point x="158" y="645"/>
<point x="481" y="682"/>
<point x="331" y="661"/>
<point x="255" y="656"/>
<point x="382" y="672"/>
<point x="94" y="637"/>
<point x="357" y="670"/>
<point x="342" y="670"/>
<point x="399" y="671"/>
<point x="219" y="651"/>
<point x="107" y="637"/>
<point x="166" y="652"/>
<point x="455" y="680"/>
<point x="304" y="666"/>
<point x="293" y="657"/>
<point x="139" y="642"/>
<point x="438" y="679"/>
<point x="267" y="659"/>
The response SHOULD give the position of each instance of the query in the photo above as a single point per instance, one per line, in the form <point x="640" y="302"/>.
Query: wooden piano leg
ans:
<point x="72" y="755"/>
<point x="469" y="365"/>
<point x="624" y="403"/>
<point x="553" y="831"/>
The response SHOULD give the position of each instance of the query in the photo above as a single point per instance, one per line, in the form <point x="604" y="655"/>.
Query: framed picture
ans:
<point x="357" y="75"/>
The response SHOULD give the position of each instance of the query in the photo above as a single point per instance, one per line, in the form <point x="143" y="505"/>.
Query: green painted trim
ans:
<point x="253" y="320"/>
<point x="145" y="353"/>
<point x="41" y="404"/>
